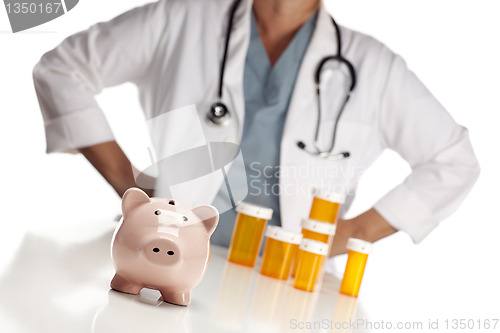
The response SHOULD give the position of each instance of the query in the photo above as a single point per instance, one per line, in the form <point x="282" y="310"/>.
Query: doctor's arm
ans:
<point x="68" y="78"/>
<point x="112" y="163"/>
<point x="369" y="226"/>
<point x="439" y="152"/>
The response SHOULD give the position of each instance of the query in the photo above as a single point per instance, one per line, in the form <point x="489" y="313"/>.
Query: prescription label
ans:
<point x="24" y="14"/>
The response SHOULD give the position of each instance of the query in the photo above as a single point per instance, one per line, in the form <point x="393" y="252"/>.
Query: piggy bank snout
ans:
<point x="162" y="251"/>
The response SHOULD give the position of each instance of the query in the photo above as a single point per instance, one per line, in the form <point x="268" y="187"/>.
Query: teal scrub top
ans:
<point x="267" y="91"/>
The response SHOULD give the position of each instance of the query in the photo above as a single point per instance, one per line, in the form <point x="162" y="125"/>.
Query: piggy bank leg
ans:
<point x="119" y="283"/>
<point x="177" y="298"/>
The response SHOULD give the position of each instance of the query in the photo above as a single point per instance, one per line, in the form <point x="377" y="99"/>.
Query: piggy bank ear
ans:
<point x="209" y="216"/>
<point x="132" y="198"/>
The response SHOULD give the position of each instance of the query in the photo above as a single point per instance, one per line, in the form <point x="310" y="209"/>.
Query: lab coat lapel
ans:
<point x="296" y="196"/>
<point x="202" y="190"/>
<point x="232" y="96"/>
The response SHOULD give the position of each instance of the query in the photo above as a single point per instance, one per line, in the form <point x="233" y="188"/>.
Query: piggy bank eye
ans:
<point x="157" y="212"/>
<point x="184" y="218"/>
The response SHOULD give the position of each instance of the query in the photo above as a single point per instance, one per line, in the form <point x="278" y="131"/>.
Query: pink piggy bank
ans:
<point x="161" y="244"/>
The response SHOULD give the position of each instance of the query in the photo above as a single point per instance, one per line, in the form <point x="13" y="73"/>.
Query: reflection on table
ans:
<point x="58" y="281"/>
<point x="145" y="312"/>
<point x="250" y="302"/>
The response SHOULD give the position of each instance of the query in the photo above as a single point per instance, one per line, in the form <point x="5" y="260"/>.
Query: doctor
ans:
<point x="260" y="61"/>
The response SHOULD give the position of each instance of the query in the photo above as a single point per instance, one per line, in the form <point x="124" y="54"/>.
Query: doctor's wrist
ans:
<point x="369" y="226"/>
<point x="345" y="230"/>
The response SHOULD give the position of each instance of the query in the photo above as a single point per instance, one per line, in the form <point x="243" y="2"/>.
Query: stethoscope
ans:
<point x="219" y="113"/>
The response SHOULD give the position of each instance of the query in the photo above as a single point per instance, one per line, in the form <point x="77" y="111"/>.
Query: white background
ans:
<point x="453" y="47"/>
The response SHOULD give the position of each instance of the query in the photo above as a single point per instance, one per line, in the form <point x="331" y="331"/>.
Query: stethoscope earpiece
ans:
<point x="326" y="155"/>
<point x="219" y="114"/>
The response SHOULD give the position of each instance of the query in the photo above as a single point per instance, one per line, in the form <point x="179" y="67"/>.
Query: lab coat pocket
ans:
<point x="351" y="137"/>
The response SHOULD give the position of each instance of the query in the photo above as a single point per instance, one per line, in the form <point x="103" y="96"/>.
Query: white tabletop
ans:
<point x="55" y="266"/>
<point x="58" y="281"/>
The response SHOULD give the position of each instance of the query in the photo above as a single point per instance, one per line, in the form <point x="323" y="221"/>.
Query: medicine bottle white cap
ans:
<point x="255" y="211"/>
<point x="319" y="226"/>
<point x="329" y="196"/>
<point x="359" y="245"/>
<point x="313" y="246"/>
<point x="280" y="234"/>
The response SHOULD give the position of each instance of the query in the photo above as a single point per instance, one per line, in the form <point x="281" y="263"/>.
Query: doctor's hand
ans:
<point x="112" y="163"/>
<point x="369" y="226"/>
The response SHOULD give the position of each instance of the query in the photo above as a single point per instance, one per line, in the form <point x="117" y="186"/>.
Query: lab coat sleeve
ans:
<point x="444" y="167"/>
<point x="67" y="78"/>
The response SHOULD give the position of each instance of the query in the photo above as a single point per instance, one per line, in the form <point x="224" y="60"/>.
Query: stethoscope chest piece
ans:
<point x="219" y="114"/>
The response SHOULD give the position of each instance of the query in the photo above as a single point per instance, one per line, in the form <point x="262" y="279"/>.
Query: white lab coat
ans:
<point x="172" y="50"/>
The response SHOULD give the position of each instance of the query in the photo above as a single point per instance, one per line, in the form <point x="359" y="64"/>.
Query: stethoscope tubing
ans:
<point x="232" y="11"/>
<point x="219" y="113"/>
